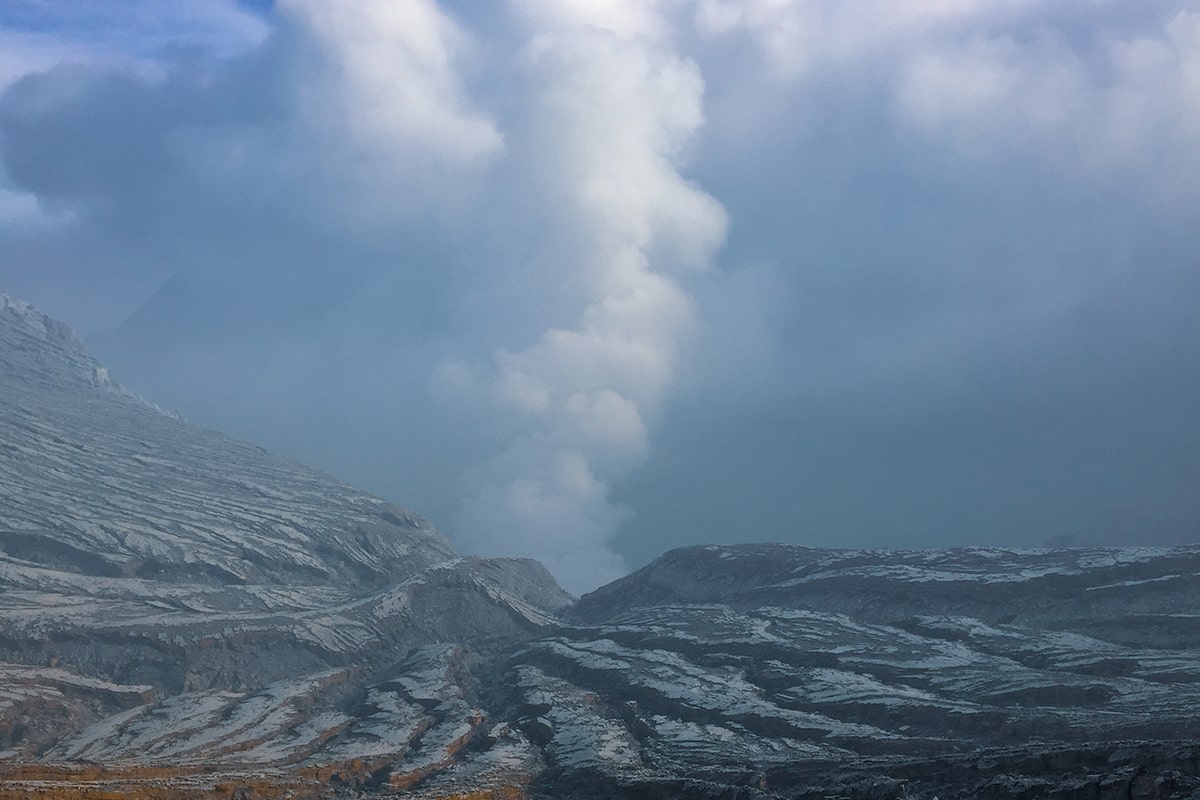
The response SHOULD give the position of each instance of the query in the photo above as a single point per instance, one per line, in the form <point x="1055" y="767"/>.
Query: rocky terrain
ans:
<point x="185" y="616"/>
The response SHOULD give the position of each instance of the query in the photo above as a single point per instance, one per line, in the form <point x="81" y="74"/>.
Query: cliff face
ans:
<point x="184" y="615"/>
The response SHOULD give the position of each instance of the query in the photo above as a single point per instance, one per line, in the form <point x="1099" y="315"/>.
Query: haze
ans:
<point x="584" y="280"/>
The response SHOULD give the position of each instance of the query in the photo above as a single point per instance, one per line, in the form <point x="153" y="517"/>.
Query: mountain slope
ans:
<point x="183" y="615"/>
<point x="814" y="673"/>
<point x="95" y="480"/>
<point x="174" y="602"/>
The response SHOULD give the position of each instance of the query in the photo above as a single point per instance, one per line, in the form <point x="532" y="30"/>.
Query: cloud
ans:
<point x="385" y="79"/>
<point x="800" y="36"/>
<point x="614" y="114"/>
<point x="128" y="35"/>
<point x="582" y="280"/>
<point x="1041" y="96"/>
<point x="626" y="19"/>
<point x="1089" y="85"/>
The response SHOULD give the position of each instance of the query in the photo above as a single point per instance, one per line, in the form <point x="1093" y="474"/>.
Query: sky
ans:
<point x="585" y="280"/>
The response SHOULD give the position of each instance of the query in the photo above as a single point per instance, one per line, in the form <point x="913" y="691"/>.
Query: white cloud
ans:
<point x="992" y="92"/>
<point x="1092" y="86"/>
<point x="22" y="209"/>
<point x="800" y="35"/>
<point x="627" y="19"/>
<point x="388" y="80"/>
<point x="614" y="118"/>
<point x="1152" y="106"/>
<point x="1114" y="110"/>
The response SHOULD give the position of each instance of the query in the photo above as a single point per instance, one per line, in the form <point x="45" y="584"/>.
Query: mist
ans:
<point x="585" y="281"/>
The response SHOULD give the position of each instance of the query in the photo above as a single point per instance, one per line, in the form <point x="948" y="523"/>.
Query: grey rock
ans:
<point x="820" y="673"/>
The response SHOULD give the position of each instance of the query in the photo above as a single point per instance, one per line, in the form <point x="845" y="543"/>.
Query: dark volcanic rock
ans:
<point x="1062" y="588"/>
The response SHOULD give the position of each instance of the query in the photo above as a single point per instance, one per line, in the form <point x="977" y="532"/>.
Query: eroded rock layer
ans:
<point x="813" y="673"/>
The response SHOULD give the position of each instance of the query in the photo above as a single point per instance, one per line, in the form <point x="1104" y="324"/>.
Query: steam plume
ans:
<point x="616" y="109"/>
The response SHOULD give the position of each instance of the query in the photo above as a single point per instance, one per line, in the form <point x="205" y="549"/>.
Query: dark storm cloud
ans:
<point x="670" y="272"/>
